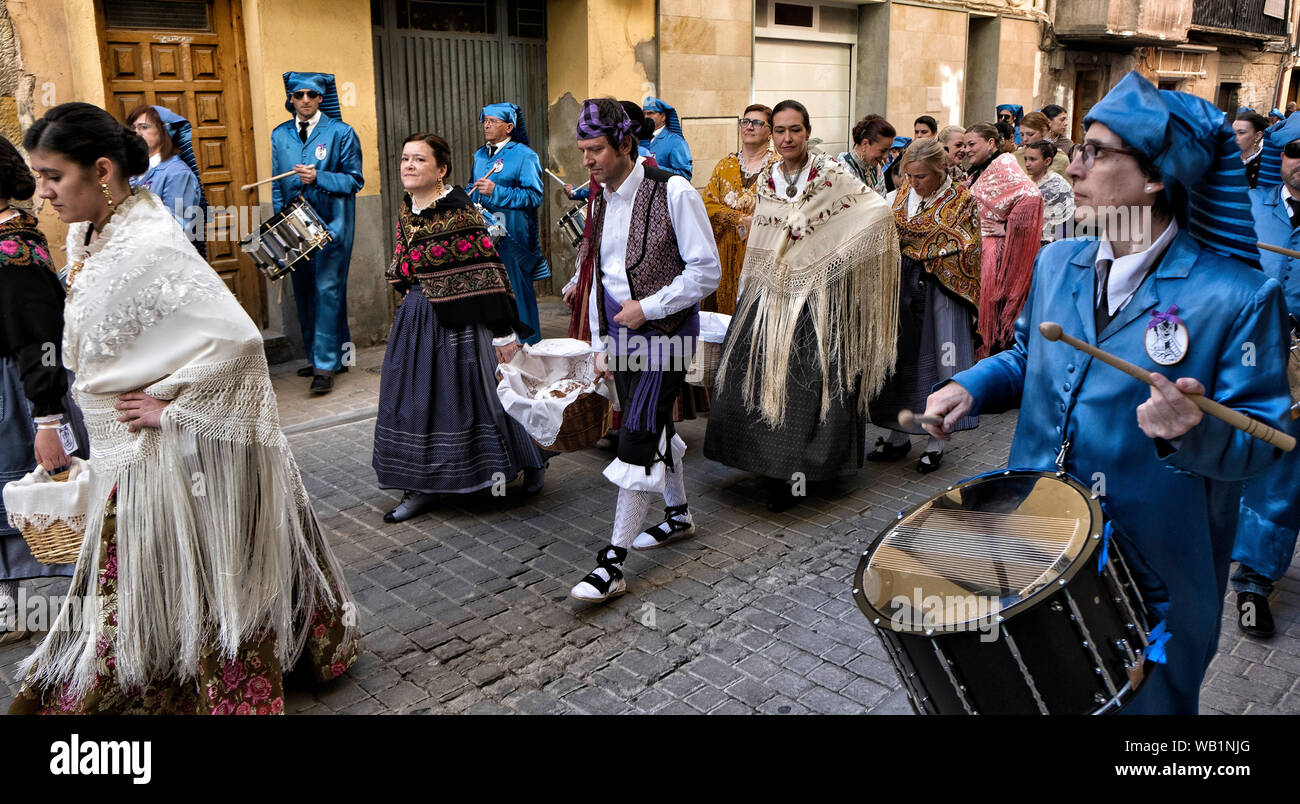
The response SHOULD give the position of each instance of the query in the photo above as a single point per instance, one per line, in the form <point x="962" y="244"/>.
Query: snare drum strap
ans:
<point x="1156" y="643"/>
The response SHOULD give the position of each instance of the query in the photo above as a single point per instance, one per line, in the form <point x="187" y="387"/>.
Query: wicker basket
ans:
<point x="57" y="544"/>
<point x="586" y="419"/>
<point x="704" y="366"/>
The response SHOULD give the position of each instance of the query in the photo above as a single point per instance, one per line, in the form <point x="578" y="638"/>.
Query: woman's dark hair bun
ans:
<point x="83" y="133"/>
<point x="16" y="180"/>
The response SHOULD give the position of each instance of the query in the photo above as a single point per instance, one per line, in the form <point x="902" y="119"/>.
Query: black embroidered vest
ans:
<point x="653" y="260"/>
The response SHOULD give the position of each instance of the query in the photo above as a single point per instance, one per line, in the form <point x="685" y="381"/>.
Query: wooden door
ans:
<point x="188" y="56"/>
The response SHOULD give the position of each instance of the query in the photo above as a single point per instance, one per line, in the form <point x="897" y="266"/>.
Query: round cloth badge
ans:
<point x="321" y="151"/>
<point x="1166" y="337"/>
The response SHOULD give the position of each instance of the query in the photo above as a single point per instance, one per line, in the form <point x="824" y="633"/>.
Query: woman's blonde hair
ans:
<point x="929" y="153"/>
<point x="948" y="132"/>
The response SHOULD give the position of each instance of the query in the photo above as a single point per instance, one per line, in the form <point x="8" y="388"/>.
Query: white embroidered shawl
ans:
<point x="216" y="539"/>
<point x="832" y="251"/>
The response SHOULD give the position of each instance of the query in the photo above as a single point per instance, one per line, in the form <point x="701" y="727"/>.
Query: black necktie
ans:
<point x="1295" y="217"/>
<point x="302" y="130"/>
<point x="1103" y="315"/>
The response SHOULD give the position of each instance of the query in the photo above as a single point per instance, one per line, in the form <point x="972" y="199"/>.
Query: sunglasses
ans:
<point x="305" y="93"/>
<point x="752" y="122"/>
<point x="1292" y="150"/>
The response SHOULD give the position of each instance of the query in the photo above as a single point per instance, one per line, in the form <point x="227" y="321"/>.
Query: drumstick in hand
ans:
<point x="283" y="175"/>
<point x="909" y="419"/>
<point x="1252" y="427"/>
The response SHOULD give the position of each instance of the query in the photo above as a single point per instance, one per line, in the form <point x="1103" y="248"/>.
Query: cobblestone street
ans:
<point x="466" y="609"/>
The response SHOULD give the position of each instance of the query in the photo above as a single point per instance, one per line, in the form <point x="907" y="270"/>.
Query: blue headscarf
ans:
<point x="178" y="128"/>
<point x="1245" y="110"/>
<point x="1191" y="144"/>
<point x="508" y="113"/>
<point x="1276" y="137"/>
<point x="1276" y="113"/>
<point x="320" y="82"/>
<point x="653" y="104"/>
<point x="1017" y="113"/>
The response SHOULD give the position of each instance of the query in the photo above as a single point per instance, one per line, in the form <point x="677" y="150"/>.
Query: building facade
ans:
<point x="430" y="65"/>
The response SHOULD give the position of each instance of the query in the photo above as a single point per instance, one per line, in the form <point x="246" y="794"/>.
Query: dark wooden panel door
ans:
<point x="187" y="55"/>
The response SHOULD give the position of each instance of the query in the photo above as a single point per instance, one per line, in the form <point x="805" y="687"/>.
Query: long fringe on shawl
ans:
<point x="216" y="539"/>
<point x="851" y="295"/>
<point x="1003" y="294"/>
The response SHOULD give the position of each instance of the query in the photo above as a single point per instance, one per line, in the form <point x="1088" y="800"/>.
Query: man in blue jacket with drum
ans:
<point x="507" y="182"/>
<point x="324" y="154"/>
<point x="1171" y="477"/>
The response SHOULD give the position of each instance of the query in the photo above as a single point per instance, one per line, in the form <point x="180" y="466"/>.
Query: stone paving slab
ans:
<point x="465" y="610"/>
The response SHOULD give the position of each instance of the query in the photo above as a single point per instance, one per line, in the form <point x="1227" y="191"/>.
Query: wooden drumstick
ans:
<point x="1286" y="252"/>
<point x="283" y="175"/>
<point x="1253" y="427"/>
<point x="909" y="419"/>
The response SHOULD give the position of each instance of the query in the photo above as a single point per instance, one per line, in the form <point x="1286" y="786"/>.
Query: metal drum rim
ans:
<point x="881" y="620"/>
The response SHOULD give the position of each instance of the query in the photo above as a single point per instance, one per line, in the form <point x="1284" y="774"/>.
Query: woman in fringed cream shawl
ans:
<point x="203" y="575"/>
<point x="815" y="329"/>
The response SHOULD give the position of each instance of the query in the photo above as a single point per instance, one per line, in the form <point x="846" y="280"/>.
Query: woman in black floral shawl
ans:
<point x="441" y="428"/>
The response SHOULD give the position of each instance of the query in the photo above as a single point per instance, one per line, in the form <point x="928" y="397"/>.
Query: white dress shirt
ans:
<point x="573" y="280"/>
<point x="695" y="244"/>
<point x="311" y="123"/>
<point x="495" y="148"/>
<point x="1127" y="273"/>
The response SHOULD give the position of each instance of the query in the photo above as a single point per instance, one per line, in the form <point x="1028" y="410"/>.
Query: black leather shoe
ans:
<point x="928" y="462"/>
<point x="534" y="479"/>
<point x="322" y="384"/>
<point x="412" y="505"/>
<point x="779" y="495"/>
<point x="308" y="370"/>
<point x="1253" y="617"/>
<point x="886" y="452"/>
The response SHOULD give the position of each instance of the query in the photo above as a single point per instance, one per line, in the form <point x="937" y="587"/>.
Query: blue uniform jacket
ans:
<point x="672" y="153"/>
<point x="1174" y="507"/>
<point x="1270" y="505"/>
<point x="517" y="196"/>
<point x="335" y="151"/>
<point x="173" y="182"/>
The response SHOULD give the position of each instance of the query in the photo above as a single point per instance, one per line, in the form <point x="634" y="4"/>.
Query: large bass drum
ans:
<point x="1006" y="595"/>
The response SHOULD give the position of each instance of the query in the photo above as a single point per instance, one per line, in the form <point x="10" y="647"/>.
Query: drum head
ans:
<point x="982" y="550"/>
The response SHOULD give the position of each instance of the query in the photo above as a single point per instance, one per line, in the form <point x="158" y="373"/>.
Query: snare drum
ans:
<point x="494" y="223"/>
<point x="291" y="235"/>
<point x="573" y="223"/>
<point x="1005" y="595"/>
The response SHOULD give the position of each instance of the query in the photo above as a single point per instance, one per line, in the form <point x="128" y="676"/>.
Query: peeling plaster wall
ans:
<point x="593" y="48"/>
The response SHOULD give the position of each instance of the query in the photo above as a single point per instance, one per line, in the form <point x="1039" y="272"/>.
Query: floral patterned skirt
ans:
<point x="250" y="683"/>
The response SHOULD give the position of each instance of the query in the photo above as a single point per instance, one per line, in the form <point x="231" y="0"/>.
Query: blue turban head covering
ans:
<point x="1276" y="138"/>
<point x="178" y="128"/>
<point x="653" y="104"/>
<point x="318" y="82"/>
<point x="1245" y="110"/>
<point x="508" y="113"/>
<point x="1190" y="143"/>
<point x="1017" y="112"/>
<point x="1276" y="113"/>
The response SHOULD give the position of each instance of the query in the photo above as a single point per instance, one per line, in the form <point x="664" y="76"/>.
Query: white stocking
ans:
<point x="628" y="516"/>
<point x="675" y="486"/>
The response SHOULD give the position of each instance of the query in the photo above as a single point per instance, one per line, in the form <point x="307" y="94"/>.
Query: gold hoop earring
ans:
<point x="108" y="194"/>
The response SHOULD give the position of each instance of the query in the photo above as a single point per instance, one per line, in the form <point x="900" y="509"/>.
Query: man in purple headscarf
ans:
<point x="655" y="259"/>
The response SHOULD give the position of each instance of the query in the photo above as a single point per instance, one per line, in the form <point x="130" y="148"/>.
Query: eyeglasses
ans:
<point x="1292" y="150"/>
<point x="1089" y="151"/>
<point x="305" y="93"/>
<point x="142" y="127"/>
<point x="751" y="122"/>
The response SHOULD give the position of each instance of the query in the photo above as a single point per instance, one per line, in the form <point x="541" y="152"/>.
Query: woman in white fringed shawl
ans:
<point x="816" y="326"/>
<point x="203" y="576"/>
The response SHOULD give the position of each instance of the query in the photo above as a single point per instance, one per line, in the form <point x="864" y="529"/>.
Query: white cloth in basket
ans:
<point x="543" y="379"/>
<point x="713" y="331"/>
<point x="36" y="500"/>
<point x="713" y="327"/>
